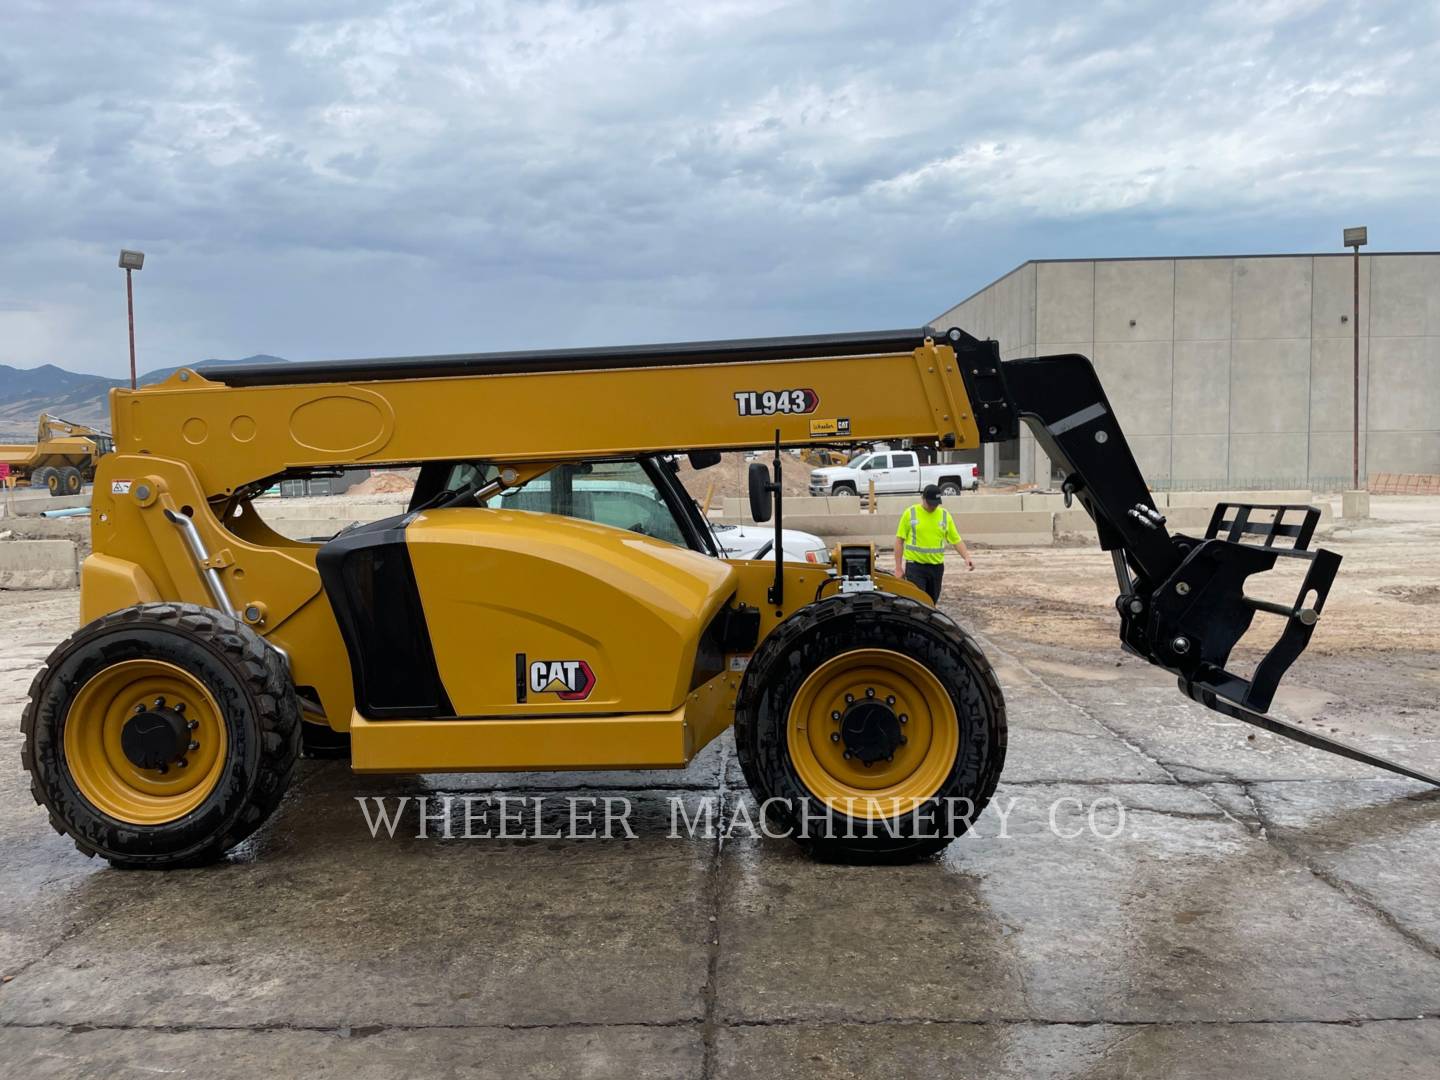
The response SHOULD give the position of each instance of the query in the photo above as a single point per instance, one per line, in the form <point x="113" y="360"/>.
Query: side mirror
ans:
<point x="761" y="503"/>
<point x="704" y="459"/>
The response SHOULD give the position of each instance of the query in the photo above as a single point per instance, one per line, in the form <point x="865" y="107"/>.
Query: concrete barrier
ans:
<point x="1042" y="500"/>
<point x="986" y="504"/>
<point x="336" y="508"/>
<point x="1002" y="528"/>
<point x="31" y="503"/>
<point x="38" y="564"/>
<point x="1023" y="528"/>
<point x="1186" y="519"/>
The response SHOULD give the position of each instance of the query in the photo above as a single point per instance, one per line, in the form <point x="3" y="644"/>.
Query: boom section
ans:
<point x="236" y="426"/>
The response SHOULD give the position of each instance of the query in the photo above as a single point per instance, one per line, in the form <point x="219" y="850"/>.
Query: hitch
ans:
<point x="1182" y="600"/>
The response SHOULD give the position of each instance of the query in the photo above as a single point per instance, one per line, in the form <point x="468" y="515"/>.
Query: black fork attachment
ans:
<point x="1182" y="599"/>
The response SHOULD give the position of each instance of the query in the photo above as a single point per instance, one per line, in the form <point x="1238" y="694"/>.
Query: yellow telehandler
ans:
<point x="597" y="628"/>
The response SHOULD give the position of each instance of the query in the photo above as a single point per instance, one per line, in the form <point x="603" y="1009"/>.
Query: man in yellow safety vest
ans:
<point x="920" y="542"/>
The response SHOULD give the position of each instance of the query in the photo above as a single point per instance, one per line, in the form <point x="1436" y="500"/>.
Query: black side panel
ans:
<point x="371" y="586"/>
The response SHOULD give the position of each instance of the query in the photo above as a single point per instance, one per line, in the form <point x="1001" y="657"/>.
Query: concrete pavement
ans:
<point x="1261" y="909"/>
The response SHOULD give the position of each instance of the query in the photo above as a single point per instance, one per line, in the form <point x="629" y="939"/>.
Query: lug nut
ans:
<point x="164" y="769"/>
<point x="903" y="740"/>
<point x="904" y="719"/>
<point x="847" y="755"/>
<point x="179" y="706"/>
<point x="159" y="703"/>
<point x="834" y="736"/>
<point x="869" y="691"/>
<point x="889" y="757"/>
<point x="835" y="714"/>
<point x="849" y="699"/>
<point x="890" y="700"/>
<point x="192" y="724"/>
<point x="139" y="709"/>
<point x="196" y="746"/>
<point x="181" y="763"/>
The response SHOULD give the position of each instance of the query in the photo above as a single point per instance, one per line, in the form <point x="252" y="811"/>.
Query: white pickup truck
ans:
<point x="895" y="472"/>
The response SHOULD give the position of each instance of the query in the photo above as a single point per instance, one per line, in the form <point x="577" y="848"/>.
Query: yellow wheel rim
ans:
<point x="110" y="781"/>
<point x="886" y="788"/>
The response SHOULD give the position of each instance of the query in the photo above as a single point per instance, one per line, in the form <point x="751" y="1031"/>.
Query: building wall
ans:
<point x="1237" y="372"/>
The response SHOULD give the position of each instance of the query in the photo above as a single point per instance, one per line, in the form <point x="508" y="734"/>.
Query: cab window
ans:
<point x="618" y="493"/>
<point x="879" y="461"/>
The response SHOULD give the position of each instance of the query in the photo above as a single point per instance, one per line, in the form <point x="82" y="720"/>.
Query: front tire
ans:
<point x="846" y="491"/>
<point x="161" y="735"/>
<point x="919" y="742"/>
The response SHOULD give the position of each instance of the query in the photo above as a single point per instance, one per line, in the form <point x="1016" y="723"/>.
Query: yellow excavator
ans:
<point x="598" y="627"/>
<point x="821" y="456"/>
<point x="63" y="457"/>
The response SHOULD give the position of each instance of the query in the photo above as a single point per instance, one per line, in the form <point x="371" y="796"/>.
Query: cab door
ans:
<point x="904" y="473"/>
<point x="875" y="469"/>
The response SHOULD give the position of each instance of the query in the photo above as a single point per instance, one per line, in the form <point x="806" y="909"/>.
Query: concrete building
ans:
<point x="1234" y="372"/>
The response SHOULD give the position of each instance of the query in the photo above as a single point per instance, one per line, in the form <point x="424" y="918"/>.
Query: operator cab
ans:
<point x="641" y="495"/>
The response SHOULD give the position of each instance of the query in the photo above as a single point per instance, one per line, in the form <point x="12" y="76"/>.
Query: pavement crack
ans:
<point x="74" y="929"/>
<point x="1112" y="732"/>
<point x="364" y="1031"/>
<point x="1261" y="831"/>
<point x="1359" y="897"/>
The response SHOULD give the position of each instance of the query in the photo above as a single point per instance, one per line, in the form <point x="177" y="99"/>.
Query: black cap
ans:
<point x="931" y="494"/>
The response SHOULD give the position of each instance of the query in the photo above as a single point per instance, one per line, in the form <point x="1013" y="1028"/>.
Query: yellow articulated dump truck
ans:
<point x="63" y="457"/>
<point x="465" y="635"/>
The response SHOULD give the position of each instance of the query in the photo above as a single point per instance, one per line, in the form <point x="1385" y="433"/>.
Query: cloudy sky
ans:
<point x="376" y="178"/>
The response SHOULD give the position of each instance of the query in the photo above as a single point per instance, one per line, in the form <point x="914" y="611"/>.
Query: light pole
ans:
<point x="131" y="261"/>
<point x="1355" y="239"/>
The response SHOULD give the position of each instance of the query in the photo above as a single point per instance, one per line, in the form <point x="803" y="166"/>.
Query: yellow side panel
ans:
<point x="108" y="584"/>
<point x="507" y="590"/>
<point x="655" y="741"/>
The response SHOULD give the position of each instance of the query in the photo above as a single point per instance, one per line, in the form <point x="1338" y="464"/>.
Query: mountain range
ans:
<point x="27" y="392"/>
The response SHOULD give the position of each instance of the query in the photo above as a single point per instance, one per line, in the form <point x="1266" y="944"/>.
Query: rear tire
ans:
<point x="219" y="677"/>
<point x="939" y="778"/>
<point x="71" y="482"/>
<point x="950" y="487"/>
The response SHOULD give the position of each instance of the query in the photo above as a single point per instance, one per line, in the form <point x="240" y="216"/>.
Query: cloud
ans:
<point x="381" y="178"/>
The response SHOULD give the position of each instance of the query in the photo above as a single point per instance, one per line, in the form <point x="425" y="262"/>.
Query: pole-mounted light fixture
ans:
<point x="1355" y="239"/>
<point x="131" y="261"/>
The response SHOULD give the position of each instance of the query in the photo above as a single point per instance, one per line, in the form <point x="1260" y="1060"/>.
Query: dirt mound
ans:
<point x="729" y="477"/>
<point x="386" y="483"/>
